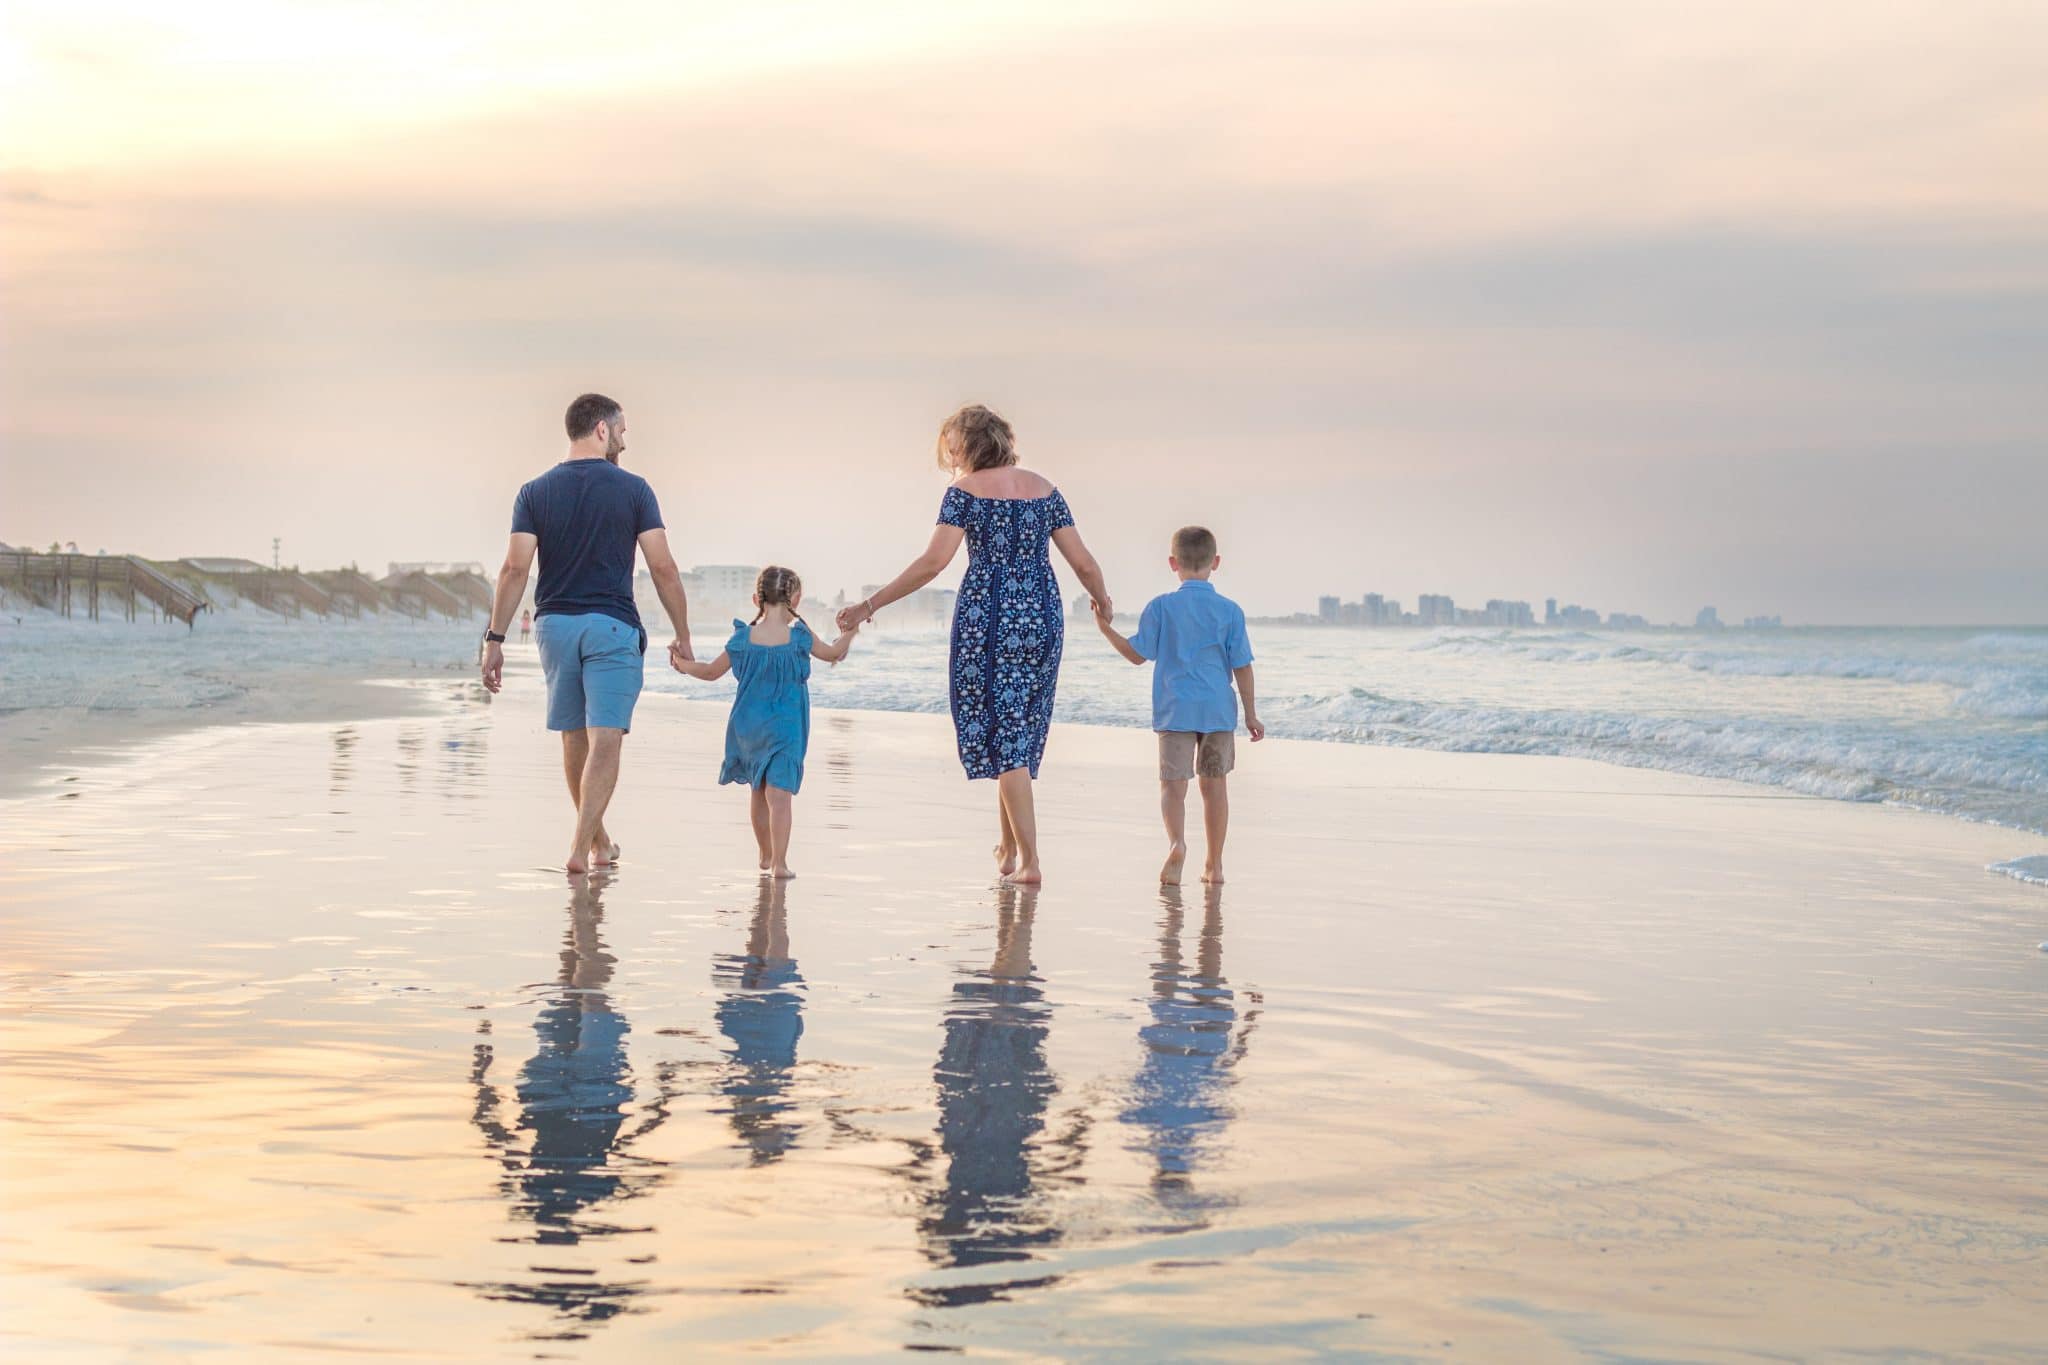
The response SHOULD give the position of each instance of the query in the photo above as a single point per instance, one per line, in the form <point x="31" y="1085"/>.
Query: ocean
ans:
<point x="1950" y="720"/>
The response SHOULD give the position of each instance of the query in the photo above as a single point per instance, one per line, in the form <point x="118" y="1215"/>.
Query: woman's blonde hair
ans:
<point x="777" y="587"/>
<point x="976" y="438"/>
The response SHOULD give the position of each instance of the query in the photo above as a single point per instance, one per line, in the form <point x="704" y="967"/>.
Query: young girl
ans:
<point x="770" y="726"/>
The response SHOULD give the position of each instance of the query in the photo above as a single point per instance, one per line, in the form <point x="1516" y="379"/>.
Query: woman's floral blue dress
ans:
<point x="1008" y="629"/>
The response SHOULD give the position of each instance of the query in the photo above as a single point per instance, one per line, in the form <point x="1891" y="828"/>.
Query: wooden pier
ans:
<point x="57" y="581"/>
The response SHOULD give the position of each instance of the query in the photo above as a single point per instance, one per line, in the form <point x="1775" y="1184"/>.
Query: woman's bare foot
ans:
<point x="577" y="863"/>
<point x="1169" y="871"/>
<point x="782" y="873"/>
<point x="767" y="863"/>
<point x="604" y="855"/>
<point x="1006" y="860"/>
<point x="1027" y="875"/>
<point x="1212" y="874"/>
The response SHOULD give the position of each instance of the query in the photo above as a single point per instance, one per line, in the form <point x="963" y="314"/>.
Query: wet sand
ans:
<point x="1475" y="1057"/>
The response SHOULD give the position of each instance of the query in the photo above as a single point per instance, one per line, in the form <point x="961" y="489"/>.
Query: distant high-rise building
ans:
<point x="1328" y="610"/>
<point x="1512" y="615"/>
<point x="1708" y="619"/>
<point x="1550" y="611"/>
<point x="1436" y="609"/>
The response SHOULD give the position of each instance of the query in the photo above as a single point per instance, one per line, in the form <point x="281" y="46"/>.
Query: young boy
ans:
<point x="1197" y="641"/>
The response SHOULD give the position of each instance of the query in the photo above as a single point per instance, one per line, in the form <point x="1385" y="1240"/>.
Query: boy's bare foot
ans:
<point x="782" y="873"/>
<point x="1027" y="875"/>
<point x="1169" y="871"/>
<point x="1212" y="874"/>
<point x="1006" y="860"/>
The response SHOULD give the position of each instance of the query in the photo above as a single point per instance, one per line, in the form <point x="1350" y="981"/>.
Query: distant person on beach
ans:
<point x="585" y="517"/>
<point x="1195" y="641"/>
<point x="525" y="626"/>
<point x="769" y="731"/>
<point x="1008" y="628"/>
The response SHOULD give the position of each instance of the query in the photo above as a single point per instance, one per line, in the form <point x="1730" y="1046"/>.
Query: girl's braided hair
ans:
<point x="777" y="587"/>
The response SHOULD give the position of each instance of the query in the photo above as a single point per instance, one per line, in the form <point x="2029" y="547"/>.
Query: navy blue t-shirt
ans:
<point x="588" y="515"/>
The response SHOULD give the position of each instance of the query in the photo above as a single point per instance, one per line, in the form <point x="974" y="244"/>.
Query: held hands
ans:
<point x="679" y="654"/>
<point x="853" y="616"/>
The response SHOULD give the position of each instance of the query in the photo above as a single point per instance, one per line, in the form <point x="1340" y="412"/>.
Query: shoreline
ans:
<point x="45" y="748"/>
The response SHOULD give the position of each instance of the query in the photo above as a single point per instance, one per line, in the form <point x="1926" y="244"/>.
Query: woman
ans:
<point x="1008" y="628"/>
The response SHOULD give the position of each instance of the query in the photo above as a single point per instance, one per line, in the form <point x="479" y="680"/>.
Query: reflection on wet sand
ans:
<point x="567" y="1150"/>
<point x="761" y="1010"/>
<point x="1179" y="1099"/>
<point x="341" y="765"/>
<point x="993" y="1090"/>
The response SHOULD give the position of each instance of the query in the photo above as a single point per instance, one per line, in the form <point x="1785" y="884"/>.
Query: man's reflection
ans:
<point x="993" y="1090"/>
<point x="1179" y="1099"/>
<point x="761" y="1011"/>
<point x="567" y="1150"/>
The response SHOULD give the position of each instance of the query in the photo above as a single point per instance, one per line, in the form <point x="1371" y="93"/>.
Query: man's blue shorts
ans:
<point x="593" y="666"/>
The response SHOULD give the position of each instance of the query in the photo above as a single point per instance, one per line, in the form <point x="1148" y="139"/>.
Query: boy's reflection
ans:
<point x="993" y="1089"/>
<point x="1179" y="1098"/>
<point x="565" y="1153"/>
<point x="761" y="1011"/>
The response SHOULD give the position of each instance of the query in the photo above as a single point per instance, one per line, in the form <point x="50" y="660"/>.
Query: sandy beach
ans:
<point x="1475" y="1057"/>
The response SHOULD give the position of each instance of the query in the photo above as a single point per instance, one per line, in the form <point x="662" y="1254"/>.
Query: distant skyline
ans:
<point x="1642" y="306"/>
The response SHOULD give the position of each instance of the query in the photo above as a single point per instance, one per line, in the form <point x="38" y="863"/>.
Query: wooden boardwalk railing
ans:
<point x="129" y="577"/>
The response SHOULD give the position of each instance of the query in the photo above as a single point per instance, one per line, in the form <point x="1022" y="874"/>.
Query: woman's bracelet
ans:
<point x="869" y="603"/>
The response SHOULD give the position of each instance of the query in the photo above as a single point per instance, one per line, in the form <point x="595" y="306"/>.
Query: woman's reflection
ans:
<point x="1179" y="1099"/>
<point x="761" y="1011"/>
<point x="567" y="1150"/>
<point x="993" y="1090"/>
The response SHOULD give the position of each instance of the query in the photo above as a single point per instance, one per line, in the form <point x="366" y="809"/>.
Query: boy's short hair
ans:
<point x="1194" y="547"/>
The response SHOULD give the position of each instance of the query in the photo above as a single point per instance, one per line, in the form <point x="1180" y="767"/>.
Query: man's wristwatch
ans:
<point x="493" y="636"/>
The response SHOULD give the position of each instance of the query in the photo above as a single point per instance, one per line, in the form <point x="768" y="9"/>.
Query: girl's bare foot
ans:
<point x="782" y="872"/>
<point x="1213" y="874"/>
<point x="1169" y="871"/>
<point x="1027" y="875"/>
<point x="1006" y="860"/>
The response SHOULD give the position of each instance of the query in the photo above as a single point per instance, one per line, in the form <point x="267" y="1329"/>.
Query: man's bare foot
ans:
<point x="1213" y="874"/>
<point x="1027" y="875"/>
<point x="781" y="872"/>
<point x="1169" y="871"/>
<point x="1006" y="860"/>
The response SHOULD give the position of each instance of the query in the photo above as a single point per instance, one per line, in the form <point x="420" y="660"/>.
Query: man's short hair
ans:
<point x="1194" y="547"/>
<point x="586" y="412"/>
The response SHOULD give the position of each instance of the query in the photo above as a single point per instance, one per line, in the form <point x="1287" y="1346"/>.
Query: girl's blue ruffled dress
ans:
<point x="770" y="728"/>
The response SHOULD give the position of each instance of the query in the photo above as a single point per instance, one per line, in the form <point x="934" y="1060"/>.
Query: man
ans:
<point x="585" y="517"/>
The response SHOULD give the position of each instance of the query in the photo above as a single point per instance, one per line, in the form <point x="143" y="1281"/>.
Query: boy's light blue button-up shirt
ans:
<point x="1194" y="638"/>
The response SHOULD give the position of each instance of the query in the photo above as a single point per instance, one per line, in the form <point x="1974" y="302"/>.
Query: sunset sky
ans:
<point x="1642" y="305"/>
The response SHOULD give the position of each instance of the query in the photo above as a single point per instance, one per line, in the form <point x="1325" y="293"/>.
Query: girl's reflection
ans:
<point x="565" y="1152"/>
<point x="1179" y="1099"/>
<point x="993" y="1089"/>
<point x="762" y="1012"/>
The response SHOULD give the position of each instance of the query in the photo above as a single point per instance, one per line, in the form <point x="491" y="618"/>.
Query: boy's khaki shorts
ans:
<point x="1184" y="754"/>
